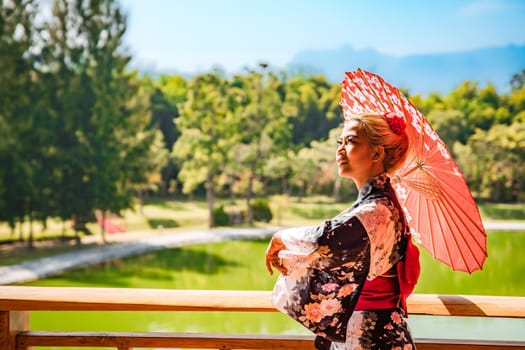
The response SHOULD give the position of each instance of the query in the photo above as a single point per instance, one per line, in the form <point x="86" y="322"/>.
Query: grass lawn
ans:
<point x="240" y="265"/>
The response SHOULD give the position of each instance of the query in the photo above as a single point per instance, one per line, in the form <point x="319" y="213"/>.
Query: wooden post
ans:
<point x="11" y="323"/>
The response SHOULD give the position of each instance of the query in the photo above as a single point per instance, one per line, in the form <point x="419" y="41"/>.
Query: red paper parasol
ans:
<point x="432" y="190"/>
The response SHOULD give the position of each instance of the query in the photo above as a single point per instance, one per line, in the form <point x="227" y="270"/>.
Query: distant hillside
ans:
<point x="419" y="73"/>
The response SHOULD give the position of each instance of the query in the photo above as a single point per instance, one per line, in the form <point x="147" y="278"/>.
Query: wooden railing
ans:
<point x="16" y="303"/>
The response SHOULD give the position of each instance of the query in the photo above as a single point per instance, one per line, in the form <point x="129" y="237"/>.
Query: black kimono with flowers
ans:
<point x="329" y="264"/>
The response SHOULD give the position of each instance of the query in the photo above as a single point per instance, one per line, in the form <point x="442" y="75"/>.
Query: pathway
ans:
<point x="51" y="265"/>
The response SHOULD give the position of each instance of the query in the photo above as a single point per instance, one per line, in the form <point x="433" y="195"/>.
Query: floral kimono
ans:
<point x="329" y="266"/>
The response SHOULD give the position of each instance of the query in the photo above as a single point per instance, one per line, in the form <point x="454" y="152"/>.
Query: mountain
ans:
<point x="422" y="73"/>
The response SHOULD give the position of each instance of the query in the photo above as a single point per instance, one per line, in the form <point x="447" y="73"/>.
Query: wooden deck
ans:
<point x="17" y="302"/>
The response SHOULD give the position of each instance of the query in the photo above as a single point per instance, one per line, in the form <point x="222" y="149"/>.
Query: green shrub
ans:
<point x="162" y="223"/>
<point x="220" y="217"/>
<point x="261" y="210"/>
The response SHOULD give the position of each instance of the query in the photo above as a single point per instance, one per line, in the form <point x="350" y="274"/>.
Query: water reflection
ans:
<point x="456" y="327"/>
<point x="444" y="327"/>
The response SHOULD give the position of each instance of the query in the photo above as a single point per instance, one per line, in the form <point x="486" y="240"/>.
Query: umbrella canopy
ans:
<point x="441" y="212"/>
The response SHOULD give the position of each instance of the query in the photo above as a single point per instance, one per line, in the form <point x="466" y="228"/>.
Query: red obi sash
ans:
<point x="392" y="289"/>
<point x="380" y="293"/>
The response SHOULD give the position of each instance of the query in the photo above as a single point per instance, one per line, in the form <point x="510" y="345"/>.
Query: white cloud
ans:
<point x="481" y="7"/>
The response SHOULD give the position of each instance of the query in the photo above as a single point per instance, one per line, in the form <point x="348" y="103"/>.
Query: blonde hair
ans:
<point x="379" y="133"/>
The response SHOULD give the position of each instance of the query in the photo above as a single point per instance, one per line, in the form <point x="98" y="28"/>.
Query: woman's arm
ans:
<point x="289" y="247"/>
<point x="272" y="255"/>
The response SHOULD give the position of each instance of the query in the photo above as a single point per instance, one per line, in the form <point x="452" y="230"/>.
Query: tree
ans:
<point x="261" y="129"/>
<point x="277" y="171"/>
<point x="103" y="147"/>
<point x="123" y="150"/>
<point x="169" y="92"/>
<point x="20" y="173"/>
<point x="516" y="104"/>
<point x="143" y="152"/>
<point x="495" y="159"/>
<point x="451" y="126"/>
<point x="205" y="125"/>
<point x="518" y="80"/>
<point x="64" y="66"/>
<point x="434" y="101"/>
<point x="312" y="106"/>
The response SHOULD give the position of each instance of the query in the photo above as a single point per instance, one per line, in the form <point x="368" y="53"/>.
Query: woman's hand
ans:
<point x="272" y="255"/>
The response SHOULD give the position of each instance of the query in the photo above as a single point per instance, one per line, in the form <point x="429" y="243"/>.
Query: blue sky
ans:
<point x="192" y="35"/>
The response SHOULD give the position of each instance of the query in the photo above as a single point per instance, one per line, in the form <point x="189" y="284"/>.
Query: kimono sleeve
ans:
<point x="343" y="243"/>
<point x="322" y="295"/>
<point x="300" y="243"/>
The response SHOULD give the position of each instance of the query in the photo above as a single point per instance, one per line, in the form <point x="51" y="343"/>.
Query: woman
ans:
<point x="347" y="280"/>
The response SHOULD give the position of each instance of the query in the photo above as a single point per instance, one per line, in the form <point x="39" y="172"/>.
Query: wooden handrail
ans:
<point x="24" y="298"/>
<point x="16" y="302"/>
<point x="123" y="340"/>
<point x="222" y="341"/>
<point x="131" y="299"/>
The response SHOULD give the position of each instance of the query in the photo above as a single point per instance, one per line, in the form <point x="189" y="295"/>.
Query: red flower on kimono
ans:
<point x="313" y="312"/>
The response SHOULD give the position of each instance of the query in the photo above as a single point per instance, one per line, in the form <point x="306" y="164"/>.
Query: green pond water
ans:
<point x="239" y="265"/>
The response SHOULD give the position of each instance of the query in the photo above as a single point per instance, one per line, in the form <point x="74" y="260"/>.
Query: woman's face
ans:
<point x="355" y="155"/>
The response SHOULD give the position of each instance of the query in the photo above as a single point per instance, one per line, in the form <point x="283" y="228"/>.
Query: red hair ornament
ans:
<point x="396" y="122"/>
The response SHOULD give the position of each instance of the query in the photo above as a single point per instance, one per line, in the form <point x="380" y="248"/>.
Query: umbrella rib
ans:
<point x="426" y="209"/>
<point x="351" y="92"/>
<point x="446" y="164"/>
<point x="446" y="222"/>
<point x="398" y="94"/>
<point x="356" y="98"/>
<point x="472" y="219"/>
<point x="443" y="238"/>
<point x="388" y="95"/>
<point x="470" y="233"/>
<point x="463" y="218"/>
<point x="382" y="87"/>
<point x="470" y="248"/>
<point x="422" y="132"/>
<point x="389" y="99"/>
<point x="372" y="90"/>
<point x="465" y="196"/>
<point x="461" y="214"/>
